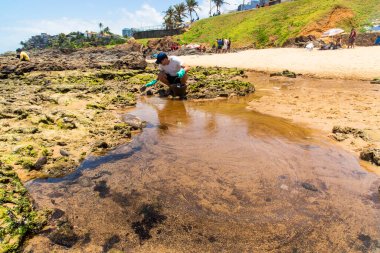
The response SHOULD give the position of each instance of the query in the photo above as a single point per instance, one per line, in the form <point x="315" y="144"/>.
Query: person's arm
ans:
<point x="186" y="68"/>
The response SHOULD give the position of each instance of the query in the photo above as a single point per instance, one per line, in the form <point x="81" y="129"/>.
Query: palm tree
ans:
<point x="218" y="4"/>
<point x="179" y="14"/>
<point x="107" y="30"/>
<point x="169" y="18"/>
<point x="191" y="6"/>
<point x="100" y="27"/>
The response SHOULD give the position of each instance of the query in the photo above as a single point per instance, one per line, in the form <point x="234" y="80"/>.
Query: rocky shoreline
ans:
<point x="64" y="106"/>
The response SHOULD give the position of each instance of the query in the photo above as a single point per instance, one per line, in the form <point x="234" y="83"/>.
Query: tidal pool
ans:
<point x="213" y="176"/>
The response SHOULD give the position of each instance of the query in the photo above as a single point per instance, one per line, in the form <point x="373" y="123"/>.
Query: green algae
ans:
<point x="126" y="99"/>
<point x="64" y="124"/>
<point x="96" y="106"/>
<point x="18" y="218"/>
<point x="217" y="82"/>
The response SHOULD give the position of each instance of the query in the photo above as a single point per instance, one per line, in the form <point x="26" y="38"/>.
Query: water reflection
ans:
<point x="218" y="178"/>
<point x="172" y="113"/>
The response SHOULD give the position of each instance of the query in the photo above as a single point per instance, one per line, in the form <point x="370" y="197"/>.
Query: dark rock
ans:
<point x="149" y="93"/>
<point x="368" y="244"/>
<point x="151" y="218"/>
<point x="101" y="144"/>
<point x="102" y="188"/>
<point x="57" y="214"/>
<point x="111" y="242"/>
<point x="64" y="152"/>
<point x="86" y="239"/>
<point x="309" y="187"/>
<point x="371" y="155"/>
<point x="40" y="163"/>
<point x="61" y="143"/>
<point x="64" y="235"/>
<point x="212" y="239"/>
<point x="375" y="81"/>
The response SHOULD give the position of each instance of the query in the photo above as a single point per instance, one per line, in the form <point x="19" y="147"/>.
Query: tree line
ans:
<point x="175" y="14"/>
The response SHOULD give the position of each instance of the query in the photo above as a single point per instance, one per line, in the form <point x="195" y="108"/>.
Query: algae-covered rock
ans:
<point x="127" y="99"/>
<point x="357" y="133"/>
<point x="123" y="129"/>
<point x="66" y="123"/>
<point x="371" y="155"/>
<point x="375" y="81"/>
<point x="17" y="215"/>
<point x="285" y="73"/>
<point x="96" y="106"/>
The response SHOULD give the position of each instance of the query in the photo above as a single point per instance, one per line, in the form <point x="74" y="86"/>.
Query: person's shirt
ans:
<point x="175" y="65"/>
<point x="24" y="56"/>
<point x="352" y="34"/>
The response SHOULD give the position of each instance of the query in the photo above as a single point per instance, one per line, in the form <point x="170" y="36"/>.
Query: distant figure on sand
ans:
<point x="22" y="55"/>
<point x="229" y="45"/>
<point x="338" y="43"/>
<point x="352" y="38"/>
<point x="220" y="45"/>
<point x="225" y="46"/>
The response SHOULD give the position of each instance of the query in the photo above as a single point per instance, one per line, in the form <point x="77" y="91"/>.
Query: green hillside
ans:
<point x="272" y="26"/>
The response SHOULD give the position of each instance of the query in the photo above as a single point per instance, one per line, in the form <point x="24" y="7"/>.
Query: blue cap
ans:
<point x="160" y="57"/>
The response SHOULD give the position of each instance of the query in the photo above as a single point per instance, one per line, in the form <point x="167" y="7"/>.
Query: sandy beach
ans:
<point x="357" y="63"/>
<point x="323" y="104"/>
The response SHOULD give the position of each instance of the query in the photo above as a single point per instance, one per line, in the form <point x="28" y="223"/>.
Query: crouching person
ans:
<point x="22" y="55"/>
<point x="173" y="73"/>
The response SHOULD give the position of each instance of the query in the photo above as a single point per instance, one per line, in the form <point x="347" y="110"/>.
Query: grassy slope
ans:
<point x="277" y="23"/>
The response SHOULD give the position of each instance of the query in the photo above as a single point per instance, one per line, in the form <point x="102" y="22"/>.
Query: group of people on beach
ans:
<point x="339" y="42"/>
<point x="222" y="46"/>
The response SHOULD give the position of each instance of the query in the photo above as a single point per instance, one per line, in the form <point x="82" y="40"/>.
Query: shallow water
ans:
<point x="213" y="176"/>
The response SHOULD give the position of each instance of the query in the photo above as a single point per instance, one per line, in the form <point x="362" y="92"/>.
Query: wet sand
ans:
<point x="358" y="63"/>
<point x="215" y="177"/>
<point x="322" y="104"/>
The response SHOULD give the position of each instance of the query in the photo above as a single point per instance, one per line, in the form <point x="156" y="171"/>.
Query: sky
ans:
<point x="21" y="19"/>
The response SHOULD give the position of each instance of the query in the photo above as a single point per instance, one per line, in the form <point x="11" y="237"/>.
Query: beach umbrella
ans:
<point x="332" y="32"/>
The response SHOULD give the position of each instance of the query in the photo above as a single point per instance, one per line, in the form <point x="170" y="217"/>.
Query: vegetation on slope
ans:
<point x="273" y="26"/>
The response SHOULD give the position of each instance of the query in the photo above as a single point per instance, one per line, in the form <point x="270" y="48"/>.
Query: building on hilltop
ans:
<point x="249" y="6"/>
<point x="91" y="34"/>
<point x="259" y="3"/>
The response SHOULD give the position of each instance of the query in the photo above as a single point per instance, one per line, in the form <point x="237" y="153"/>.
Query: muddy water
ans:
<point x="215" y="177"/>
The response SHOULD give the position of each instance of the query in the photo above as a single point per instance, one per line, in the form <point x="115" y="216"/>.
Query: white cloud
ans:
<point x="145" y="16"/>
<point x="205" y="7"/>
<point x="24" y="29"/>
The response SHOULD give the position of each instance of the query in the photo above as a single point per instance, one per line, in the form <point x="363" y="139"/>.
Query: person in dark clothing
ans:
<point x="352" y="38"/>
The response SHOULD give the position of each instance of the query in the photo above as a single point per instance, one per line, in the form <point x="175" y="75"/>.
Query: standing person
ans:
<point x="229" y="45"/>
<point x="173" y="73"/>
<point x="22" y="55"/>
<point x="225" y="46"/>
<point x="220" y="45"/>
<point x="352" y="38"/>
